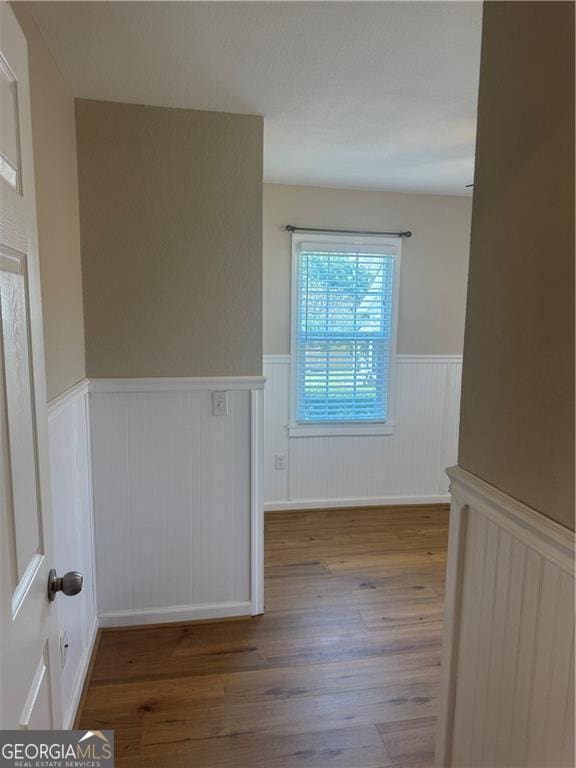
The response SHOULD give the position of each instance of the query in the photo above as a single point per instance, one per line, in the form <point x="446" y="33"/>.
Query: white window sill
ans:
<point x="340" y="429"/>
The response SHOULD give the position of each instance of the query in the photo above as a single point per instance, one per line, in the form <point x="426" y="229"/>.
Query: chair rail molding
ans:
<point x="507" y="690"/>
<point x="177" y="384"/>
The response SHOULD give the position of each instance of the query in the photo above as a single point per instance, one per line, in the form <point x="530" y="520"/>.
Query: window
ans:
<point x="343" y="333"/>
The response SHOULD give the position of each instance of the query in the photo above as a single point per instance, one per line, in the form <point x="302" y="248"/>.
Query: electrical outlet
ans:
<point x="219" y="403"/>
<point x="64" y="646"/>
<point x="280" y="461"/>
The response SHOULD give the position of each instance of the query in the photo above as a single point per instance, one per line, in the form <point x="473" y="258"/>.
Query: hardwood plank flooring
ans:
<point x="342" y="670"/>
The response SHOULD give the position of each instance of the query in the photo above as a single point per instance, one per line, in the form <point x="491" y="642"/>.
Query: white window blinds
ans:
<point x="344" y="331"/>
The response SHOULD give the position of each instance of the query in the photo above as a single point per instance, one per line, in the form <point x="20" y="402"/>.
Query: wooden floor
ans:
<point x="341" y="671"/>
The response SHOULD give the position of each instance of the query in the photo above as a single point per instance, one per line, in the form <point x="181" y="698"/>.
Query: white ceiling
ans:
<point x="377" y="95"/>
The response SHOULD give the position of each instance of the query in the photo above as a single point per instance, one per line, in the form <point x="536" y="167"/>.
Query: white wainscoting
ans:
<point x="177" y="499"/>
<point x="406" y="467"/>
<point x="508" y="656"/>
<point x="69" y="439"/>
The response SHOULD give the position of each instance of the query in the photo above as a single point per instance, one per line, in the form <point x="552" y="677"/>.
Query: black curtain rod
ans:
<point x="292" y="228"/>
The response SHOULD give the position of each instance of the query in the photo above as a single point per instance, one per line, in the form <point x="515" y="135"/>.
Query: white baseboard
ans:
<point x="175" y="613"/>
<point x="83" y="667"/>
<point x="383" y="501"/>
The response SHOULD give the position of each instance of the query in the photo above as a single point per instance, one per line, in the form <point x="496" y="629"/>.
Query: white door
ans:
<point x="29" y="665"/>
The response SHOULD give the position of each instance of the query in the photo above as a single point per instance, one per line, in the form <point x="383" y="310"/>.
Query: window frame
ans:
<point x="342" y="428"/>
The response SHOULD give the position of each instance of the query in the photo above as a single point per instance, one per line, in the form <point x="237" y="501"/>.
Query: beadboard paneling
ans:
<point x="409" y="464"/>
<point x="509" y="634"/>
<point x="70" y="474"/>
<point x="172" y="502"/>
<point x="276" y="417"/>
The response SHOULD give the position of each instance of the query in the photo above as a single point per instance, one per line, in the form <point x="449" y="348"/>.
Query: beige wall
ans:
<point x="434" y="259"/>
<point x="171" y="222"/>
<point x="518" y="390"/>
<point x="54" y="143"/>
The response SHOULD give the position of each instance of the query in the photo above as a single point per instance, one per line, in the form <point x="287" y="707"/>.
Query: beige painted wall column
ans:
<point x="171" y="218"/>
<point x="507" y="693"/>
<point x="517" y="423"/>
<point x="171" y="223"/>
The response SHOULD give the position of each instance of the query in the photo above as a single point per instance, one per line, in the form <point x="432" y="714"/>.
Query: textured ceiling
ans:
<point x="378" y="95"/>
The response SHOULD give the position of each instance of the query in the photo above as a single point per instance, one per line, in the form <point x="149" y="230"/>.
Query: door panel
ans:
<point x="29" y="676"/>
<point x="19" y="402"/>
<point x="9" y="144"/>
<point x="37" y="711"/>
